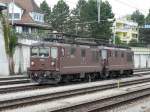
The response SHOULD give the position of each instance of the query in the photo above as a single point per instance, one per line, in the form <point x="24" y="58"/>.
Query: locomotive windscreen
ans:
<point x="34" y="51"/>
<point x="40" y="52"/>
<point x="43" y="52"/>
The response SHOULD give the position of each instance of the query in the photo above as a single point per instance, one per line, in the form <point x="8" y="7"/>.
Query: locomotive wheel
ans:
<point x="105" y="75"/>
<point x="56" y="79"/>
<point x="36" y="78"/>
<point x="89" y="78"/>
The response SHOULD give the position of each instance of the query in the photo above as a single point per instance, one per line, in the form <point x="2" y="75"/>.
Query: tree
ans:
<point x="102" y="29"/>
<point x="79" y="17"/>
<point x="46" y="10"/>
<point x="10" y="41"/>
<point x="60" y="16"/>
<point x="118" y="40"/>
<point x="88" y="18"/>
<point x="138" y="17"/>
<point x="144" y="34"/>
<point x="147" y="19"/>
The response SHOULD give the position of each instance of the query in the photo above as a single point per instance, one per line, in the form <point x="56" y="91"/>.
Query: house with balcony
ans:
<point x="25" y="16"/>
<point x="126" y="30"/>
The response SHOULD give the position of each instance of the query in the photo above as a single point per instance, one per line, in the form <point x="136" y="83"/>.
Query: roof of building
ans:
<point x="28" y="6"/>
<point x="2" y="6"/>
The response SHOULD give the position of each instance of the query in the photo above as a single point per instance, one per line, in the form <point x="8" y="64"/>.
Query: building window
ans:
<point x="16" y="15"/>
<point x="25" y="29"/>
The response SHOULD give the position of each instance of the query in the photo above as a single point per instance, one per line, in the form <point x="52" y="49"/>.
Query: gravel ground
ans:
<point x="52" y="105"/>
<point x="141" y="105"/>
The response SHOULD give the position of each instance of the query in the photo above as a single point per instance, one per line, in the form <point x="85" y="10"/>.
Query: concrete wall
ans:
<point x="22" y="55"/>
<point x="141" y="57"/>
<point x="4" y="66"/>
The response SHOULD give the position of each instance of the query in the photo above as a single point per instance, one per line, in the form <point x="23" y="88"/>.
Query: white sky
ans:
<point x="120" y="7"/>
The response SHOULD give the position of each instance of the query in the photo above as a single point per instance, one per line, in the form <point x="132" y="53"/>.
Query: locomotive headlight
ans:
<point x="52" y="63"/>
<point x="32" y="63"/>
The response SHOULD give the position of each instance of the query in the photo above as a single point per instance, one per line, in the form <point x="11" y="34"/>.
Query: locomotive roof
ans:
<point x="47" y="44"/>
<point x="60" y="39"/>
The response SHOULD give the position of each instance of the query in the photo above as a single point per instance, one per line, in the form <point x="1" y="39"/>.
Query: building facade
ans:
<point x="4" y="65"/>
<point x="25" y="16"/>
<point x="126" y="30"/>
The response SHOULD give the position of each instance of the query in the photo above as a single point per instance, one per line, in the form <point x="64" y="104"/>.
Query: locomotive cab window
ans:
<point x="34" y="51"/>
<point x="54" y="52"/>
<point x="44" y="52"/>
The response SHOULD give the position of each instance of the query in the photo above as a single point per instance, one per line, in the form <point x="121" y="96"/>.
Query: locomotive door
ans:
<point x="55" y="59"/>
<point x="104" y="58"/>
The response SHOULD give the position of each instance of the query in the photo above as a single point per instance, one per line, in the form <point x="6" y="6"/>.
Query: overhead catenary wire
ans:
<point x="129" y="5"/>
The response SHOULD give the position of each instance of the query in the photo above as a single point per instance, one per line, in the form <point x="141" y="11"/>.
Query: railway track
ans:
<point x="19" y="99"/>
<point x="99" y="104"/>
<point x="8" y="85"/>
<point x="24" y="79"/>
<point x="141" y="70"/>
<point x="8" y="80"/>
<point x="24" y="85"/>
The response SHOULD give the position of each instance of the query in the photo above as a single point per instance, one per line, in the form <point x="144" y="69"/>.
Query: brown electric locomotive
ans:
<point x="54" y="62"/>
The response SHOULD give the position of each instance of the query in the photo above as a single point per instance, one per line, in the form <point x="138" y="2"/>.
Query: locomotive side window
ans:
<point x="72" y="51"/>
<point x="44" y="52"/>
<point x="83" y="52"/>
<point x="116" y="54"/>
<point x="109" y="53"/>
<point x="122" y="54"/>
<point x="95" y="56"/>
<point x="34" y="51"/>
<point x="54" y="52"/>
<point x="129" y="57"/>
<point x="100" y="53"/>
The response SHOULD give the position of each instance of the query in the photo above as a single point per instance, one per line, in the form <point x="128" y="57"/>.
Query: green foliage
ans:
<point x="87" y="12"/>
<point x="147" y="19"/>
<point x="9" y="37"/>
<point x="46" y="10"/>
<point x="79" y="17"/>
<point x="144" y="34"/>
<point x="118" y="41"/>
<point x="82" y="20"/>
<point x="133" y="42"/>
<point x="10" y="42"/>
<point x="138" y="17"/>
<point x="60" y="14"/>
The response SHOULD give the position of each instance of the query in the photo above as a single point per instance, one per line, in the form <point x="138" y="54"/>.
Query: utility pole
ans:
<point x="114" y="33"/>
<point x="99" y="10"/>
<point x="12" y="19"/>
